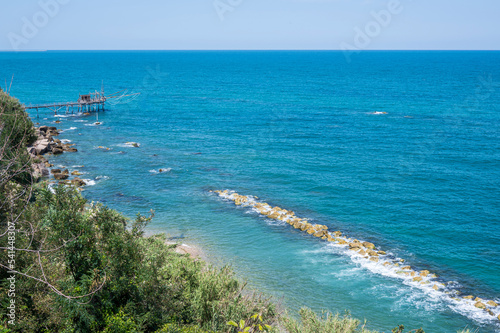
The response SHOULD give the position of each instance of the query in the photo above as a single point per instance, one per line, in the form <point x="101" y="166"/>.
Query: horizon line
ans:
<point x="270" y="50"/>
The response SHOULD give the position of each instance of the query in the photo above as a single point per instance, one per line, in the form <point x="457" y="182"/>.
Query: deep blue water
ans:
<point x="401" y="149"/>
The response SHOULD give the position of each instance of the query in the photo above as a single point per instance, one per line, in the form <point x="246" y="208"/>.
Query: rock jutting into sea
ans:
<point x="47" y="144"/>
<point x="366" y="251"/>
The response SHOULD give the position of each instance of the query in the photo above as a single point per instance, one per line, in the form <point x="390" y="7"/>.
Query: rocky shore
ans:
<point x="48" y="144"/>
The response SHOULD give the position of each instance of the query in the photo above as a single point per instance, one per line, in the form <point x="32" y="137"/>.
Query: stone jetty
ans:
<point x="366" y="250"/>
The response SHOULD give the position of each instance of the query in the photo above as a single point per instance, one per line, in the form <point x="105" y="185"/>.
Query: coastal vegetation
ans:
<point x="80" y="266"/>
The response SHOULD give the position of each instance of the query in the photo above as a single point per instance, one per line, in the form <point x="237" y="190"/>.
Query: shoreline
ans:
<point x="195" y="252"/>
<point x="47" y="145"/>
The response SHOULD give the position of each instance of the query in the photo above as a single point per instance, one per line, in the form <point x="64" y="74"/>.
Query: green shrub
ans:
<point x="326" y="323"/>
<point x="175" y="328"/>
<point x="120" y="323"/>
<point x="134" y="282"/>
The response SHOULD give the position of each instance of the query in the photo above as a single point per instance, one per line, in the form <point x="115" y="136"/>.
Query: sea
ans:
<point x="397" y="148"/>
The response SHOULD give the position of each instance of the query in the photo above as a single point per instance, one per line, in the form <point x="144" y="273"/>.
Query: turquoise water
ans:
<point x="401" y="149"/>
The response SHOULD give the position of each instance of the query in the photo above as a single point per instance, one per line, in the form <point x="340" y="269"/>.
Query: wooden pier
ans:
<point x="92" y="102"/>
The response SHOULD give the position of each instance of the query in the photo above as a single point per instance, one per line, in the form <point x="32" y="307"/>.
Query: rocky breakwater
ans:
<point x="368" y="253"/>
<point x="47" y="143"/>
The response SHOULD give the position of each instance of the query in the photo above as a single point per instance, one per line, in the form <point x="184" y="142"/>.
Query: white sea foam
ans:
<point x="89" y="182"/>
<point x="77" y="166"/>
<point x="378" y="112"/>
<point x="94" y="124"/>
<point x="129" y="145"/>
<point x="51" y="188"/>
<point x="68" y="129"/>
<point x="436" y="291"/>
<point x="161" y="170"/>
<point x="65" y="141"/>
<point x="81" y="121"/>
<point x="65" y="115"/>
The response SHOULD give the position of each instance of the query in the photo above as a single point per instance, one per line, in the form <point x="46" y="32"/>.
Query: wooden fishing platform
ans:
<point x="92" y="102"/>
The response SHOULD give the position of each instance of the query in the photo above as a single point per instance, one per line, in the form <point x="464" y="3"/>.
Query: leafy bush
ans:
<point x="102" y="274"/>
<point x="326" y="323"/>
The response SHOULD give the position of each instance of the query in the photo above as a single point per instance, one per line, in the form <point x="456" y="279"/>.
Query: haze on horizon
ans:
<point x="249" y="25"/>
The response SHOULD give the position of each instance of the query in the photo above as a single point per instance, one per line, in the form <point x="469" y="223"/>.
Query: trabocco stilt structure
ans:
<point x="91" y="102"/>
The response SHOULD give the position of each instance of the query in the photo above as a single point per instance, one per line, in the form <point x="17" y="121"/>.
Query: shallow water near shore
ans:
<point x="401" y="149"/>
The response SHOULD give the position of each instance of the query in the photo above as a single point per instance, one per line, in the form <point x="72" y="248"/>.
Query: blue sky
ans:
<point x="249" y="24"/>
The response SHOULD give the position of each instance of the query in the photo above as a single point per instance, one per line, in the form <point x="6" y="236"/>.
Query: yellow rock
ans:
<point x="311" y="231"/>
<point x="387" y="263"/>
<point x="76" y="173"/>
<point x="324" y="237"/>
<point x="413" y="273"/>
<point x="468" y="297"/>
<point x="337" y="234"/>
<point x="424" y="272"/>
<point x="477" y="299"/>
<point x="320" y="233"/>
<point x="354" y="246"/>
<point x="480" y="305"/>
<point x="372" y="253"/>
<point x="425" y="282"/>
<point x="435" y="287"/>
<point x="417" y="279"/>
<point x="382" y="253"/>
<point x="401" y="260"/>
<point x="491" y="303"/>
<point x="406" y="267"/>
<point x="375" y="259"/>
<point x="397" y="265"/>
<point x="362" y="252"/>
<point x="341" y="241"/>
<point x="498" y="317"/>
<point x="490" y="312"/>
<point x="369" y="245"/>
